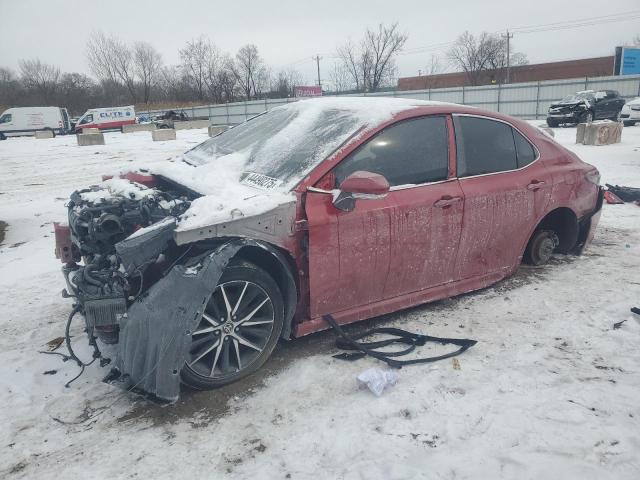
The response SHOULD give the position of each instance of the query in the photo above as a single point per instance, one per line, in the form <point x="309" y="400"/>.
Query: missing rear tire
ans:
<point x="541" y="247"/>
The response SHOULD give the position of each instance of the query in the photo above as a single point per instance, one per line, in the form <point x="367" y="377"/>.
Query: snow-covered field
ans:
<point x="551" y="390"/>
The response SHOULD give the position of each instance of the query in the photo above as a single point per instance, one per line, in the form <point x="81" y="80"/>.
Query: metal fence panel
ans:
<point x="447" y="95"/>
<point x="525" y="100"/>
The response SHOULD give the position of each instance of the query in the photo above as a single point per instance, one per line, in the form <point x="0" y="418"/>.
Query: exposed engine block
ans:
<point x="101" y="218"/>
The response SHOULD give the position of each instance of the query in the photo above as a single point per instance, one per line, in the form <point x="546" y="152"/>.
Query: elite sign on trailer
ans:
<point x="107" y="118"/>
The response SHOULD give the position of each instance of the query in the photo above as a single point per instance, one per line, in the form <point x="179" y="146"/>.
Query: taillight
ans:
<point x="593" y="177"/>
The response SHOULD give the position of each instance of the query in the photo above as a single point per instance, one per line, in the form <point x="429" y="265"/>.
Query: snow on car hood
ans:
<point x="252" y="168"/>
<point x="228" y="193"/>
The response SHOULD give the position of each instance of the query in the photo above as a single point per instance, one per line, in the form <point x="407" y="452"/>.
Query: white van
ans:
<point x="26" y="120"/>
<point x="107" y="118"/>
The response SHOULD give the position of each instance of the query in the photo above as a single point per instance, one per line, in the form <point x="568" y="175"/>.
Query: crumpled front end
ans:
<point x="142" y="285"/>
<point x="123" y="233"/>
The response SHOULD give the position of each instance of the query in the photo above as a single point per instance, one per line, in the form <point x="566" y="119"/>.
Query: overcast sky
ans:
<point x="288" y="33"/>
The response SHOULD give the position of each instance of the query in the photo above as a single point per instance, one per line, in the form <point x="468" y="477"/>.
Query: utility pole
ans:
<point x="508" y="36"/>
<point x="317" y="58"/>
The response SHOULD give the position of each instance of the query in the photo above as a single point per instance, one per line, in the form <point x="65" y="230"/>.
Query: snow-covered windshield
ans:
<point x="578" y="97"/>
<point x="281" y="144"/>
<point x="278" y="148"/>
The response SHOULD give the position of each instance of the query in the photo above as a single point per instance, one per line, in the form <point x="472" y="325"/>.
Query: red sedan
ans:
<point x="351" y="207"/>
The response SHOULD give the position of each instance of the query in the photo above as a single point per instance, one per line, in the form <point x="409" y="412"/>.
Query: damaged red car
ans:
<point x="353" y="207"/>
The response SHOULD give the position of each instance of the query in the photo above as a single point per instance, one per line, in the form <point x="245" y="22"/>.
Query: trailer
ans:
<point x="112" y="118"/>
<point x="22" y="121"/>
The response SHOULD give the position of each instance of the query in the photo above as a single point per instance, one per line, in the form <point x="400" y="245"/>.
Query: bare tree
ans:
<point x="434" y="66"/>
<point x="10" y="88"/>
<point x="41" y="77"/>
<point x="249" y="70"/>
<point x="195" y="57"/>
<point x="111" y="60"/>
<point x="353" y="63"/>
<point x="482" y="57"/>
<point x="228" y="82"/>
<point x="371" y="64"/>
<point x="382" y="45"/>
<point x="77" y="92"/>
<point x="147" y="64"/>
<point x="284" y="82"/>
<point x="340" y="78"/>
<point x="216" y="73"/>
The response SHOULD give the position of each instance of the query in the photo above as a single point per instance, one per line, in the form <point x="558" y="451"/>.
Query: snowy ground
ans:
<point x="551" y="390"/>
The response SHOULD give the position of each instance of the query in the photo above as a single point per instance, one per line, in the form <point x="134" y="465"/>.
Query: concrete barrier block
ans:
<point x="138" y="127"/>
<point x="86" y="139"/>
<point x="189" y="124"/>
<point x="163" y="134"/>
<point x="216" y="129"/>
<point x="40" y="134"/>
<point x="602" y="133"/>
<point x="580" y="132"/>
<point x="91" y="130"/>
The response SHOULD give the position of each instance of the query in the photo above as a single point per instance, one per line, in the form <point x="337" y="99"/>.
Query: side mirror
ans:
<point x="360" y="185"/>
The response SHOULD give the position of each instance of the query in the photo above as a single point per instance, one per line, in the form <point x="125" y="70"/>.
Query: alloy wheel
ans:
<point x="234" y="330"/>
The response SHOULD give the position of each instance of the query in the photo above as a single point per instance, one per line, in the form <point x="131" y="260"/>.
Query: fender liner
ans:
<point x="155" y="332"/>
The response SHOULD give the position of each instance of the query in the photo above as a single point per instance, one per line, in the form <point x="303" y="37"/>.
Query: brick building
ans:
<point x="588" y="67"/>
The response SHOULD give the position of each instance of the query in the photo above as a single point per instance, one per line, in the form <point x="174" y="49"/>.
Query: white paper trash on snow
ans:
<point x="376" y="380"/>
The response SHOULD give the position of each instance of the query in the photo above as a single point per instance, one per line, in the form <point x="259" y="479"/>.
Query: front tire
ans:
<point x="628" y="123"/>
<point x="240" y="327"/>
<point x="552" y="123"/>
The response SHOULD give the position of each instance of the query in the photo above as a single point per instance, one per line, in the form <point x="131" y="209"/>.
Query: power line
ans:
<point x="564" y="25"/>
<point x="522" y="30"/>
<point x="579" y="20"/>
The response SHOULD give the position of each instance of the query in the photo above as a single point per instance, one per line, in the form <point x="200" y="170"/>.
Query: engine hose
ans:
<point x="86" y="274"/>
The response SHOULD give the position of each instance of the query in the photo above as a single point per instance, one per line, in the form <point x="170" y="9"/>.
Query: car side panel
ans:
<point x="563" y="170"/>
<point x="348" y="253"/>
<point x="424" y="237"/>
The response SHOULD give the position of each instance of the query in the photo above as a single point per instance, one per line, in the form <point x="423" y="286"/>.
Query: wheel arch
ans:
<point x="564" y="222"/>
<point x="280" y="266"/>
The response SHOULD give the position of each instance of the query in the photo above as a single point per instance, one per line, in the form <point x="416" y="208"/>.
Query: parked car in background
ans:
<point x="373" y="205"/>
<point x="630" y="113"/>
<point x="586" y="106"/>
<point x="167" y="119"/>
<point x="112" y="118"/>
<point x="27" y="120"/>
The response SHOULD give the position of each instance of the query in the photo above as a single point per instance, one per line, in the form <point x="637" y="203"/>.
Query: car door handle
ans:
<point x="445" y="202"/>
<point x="535" y="185"/>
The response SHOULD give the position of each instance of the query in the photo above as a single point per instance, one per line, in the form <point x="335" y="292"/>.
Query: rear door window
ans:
<point x="410" y="152"/>
<point x="484" y="146"/>
<point x="525" y="151"/>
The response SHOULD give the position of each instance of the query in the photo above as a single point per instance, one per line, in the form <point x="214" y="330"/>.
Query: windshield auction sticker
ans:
<point x="259" y="180"/>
